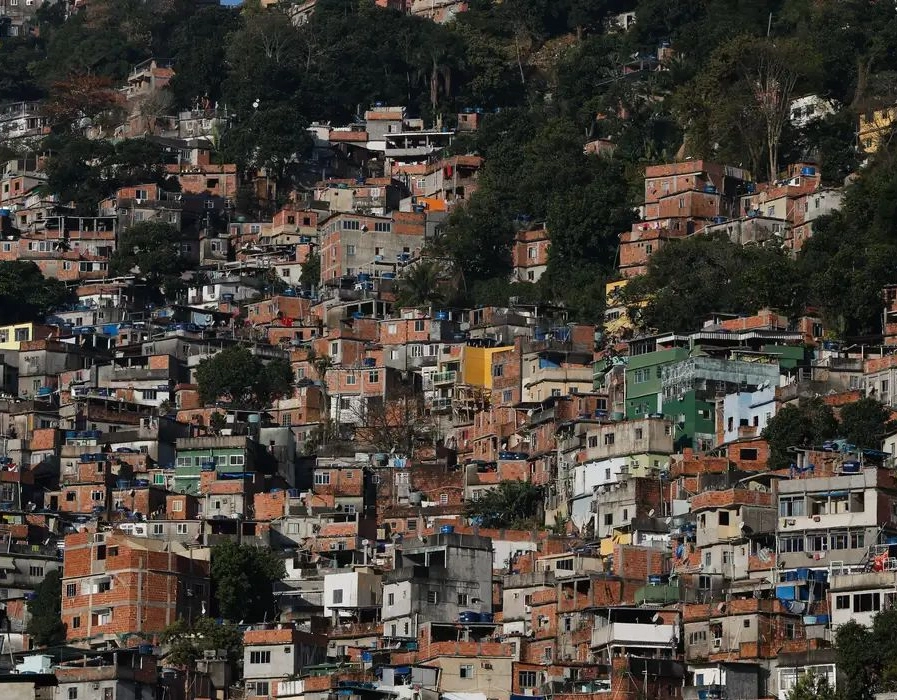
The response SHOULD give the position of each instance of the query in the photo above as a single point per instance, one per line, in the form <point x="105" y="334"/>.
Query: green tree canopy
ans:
<point x="510" y="504"/>
<point x="865" y="423"/>
<point x="187" y="640"/>
<point x="243" y="580"/>
<point x="45" y="624"/>
<point x="152" y="247"/>
<point x="239" y="377"/>
<point x="726" y="278"/>
<point x="812" y="687"/>
<point x="807" y="424"/>
<point x="26" y="295"/>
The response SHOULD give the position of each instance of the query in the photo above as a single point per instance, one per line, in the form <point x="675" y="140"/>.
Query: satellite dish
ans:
<point x="765" y="555"/>
<point x="656" y="619"/>
<point x="651" y="513"/>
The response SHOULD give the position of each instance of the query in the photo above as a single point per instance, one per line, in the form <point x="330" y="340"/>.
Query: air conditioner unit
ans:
<point x="527" y="608"/>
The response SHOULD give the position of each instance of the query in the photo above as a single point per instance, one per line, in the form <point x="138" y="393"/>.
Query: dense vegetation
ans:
<point x="547" y="73"/>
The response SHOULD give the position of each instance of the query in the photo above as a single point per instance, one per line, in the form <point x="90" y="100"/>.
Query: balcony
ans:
<point x="634" y="634"/>
<point x="448" y="377"/>
<point x="441" y="405"/>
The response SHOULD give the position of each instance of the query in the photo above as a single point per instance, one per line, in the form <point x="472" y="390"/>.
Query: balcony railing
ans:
<point x="441" y="404"/>
<point x="448" y="377"/>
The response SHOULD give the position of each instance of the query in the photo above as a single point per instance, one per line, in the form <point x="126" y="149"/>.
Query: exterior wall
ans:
<point x="356" y="590"/>
<point x="753" y="409"/>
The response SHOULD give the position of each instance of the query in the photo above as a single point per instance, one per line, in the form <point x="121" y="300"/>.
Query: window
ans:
<point x="181" y="528"/>
<point x="791" y="544"/>
<point x="73" y="692"/>
<point x="149" y="394"/>
<point x="526" y="679"/>
<point x="71" y="590"/>
<point x="417" y="351"/>
<point x="498" y="370"/>
<point x="35" y="571"/>
<point x="351" y="225"/>
<point x="382" y="226"/>
<point x="608" y="518"/>
<point x="419" y="326"/>
<point x="101" y="552"/>
<point x="350" y="379"/>
<point x="866" y="602"/>
<point x="322" y="478"/>
<point x="433" y="597"/>
<point x="350" y="250"/>
<point x="564" y="564"/>
<point x="608" y="438"/>
<point x="338" y="596"/>
<point x="97" y="495"/>
<point x="260" y="657"/>
<point x="76" y="622"/>
<point x="411" y="525"/>
<point x="237" y="460"/>
<point x="791" y="506"/>
<point x="639" y="434"/>
<point x="101" y="617"/>
<point x="391" y="599"/>
<point x="842" y="602"/>
<point x="466" y="671"/>
<point x="463" y="599"/>
<point x="373" y="377"/>
<point x="724" y="517"/>
<point x="157" y="529"/>
<point x="443" y="499"/>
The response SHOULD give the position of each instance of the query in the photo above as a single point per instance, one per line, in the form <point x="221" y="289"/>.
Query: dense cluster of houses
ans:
<point x="666" y="559"/>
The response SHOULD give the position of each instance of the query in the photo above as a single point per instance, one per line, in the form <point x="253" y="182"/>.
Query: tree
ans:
<point x="150" y="247"/>
<point x="26" y="295"/>
<point x="187" y="640"/>
<point x="77" y="97"/>
<point x="511" y="504"/>
<point x="398" y="423"/>
<point x="239" y="377"/>
<point x="812" y="687"/>
<point x="865" y="423"/>
<point x="45" y="625"/>
<point x="732" y="279"/>
<point x="808" y="424"/>
<point x="419" y="285"/>
<point x="310" y="271"/>
<point x="243" y="580"/>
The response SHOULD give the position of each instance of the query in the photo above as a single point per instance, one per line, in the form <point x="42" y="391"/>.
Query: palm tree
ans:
<point x="419" y="285"/>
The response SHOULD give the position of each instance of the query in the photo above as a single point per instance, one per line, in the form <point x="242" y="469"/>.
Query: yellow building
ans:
<point x="875" y="126"/>
<point x="617" y="323"/>
<point x="12" y="337"/>
<point x="476" y="365"/>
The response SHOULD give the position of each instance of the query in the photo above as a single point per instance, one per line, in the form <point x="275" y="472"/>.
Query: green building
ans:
<point x="226" y="454"/>
<point x="683" y="377"/>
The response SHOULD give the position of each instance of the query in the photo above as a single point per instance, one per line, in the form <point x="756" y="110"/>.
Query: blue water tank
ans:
<point x="442" y="316"/>
<point x="447" y="529"/>
<point x="364" y="277"/>
<point x="469" y="616"/>
<point x="146" y="649"/>
<point x="389" y="275"/>
<point x="370" y="362"/>
<point x="487" y="617"/>
<point x="809" y="171"/>
<point x="710" y="189"/>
